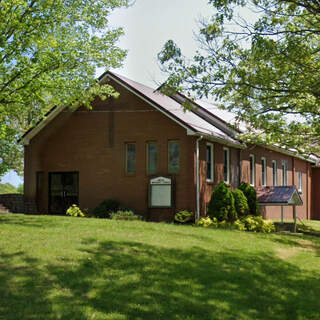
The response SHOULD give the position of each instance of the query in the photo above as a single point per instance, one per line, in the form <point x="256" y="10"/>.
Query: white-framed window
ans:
<point x="264" y="171"/>
<point x="274" y="173"/>
<point x="252" y="169"/>
<point x="210" y="162"/>
<point x="152" y="157"/>
<point x="226" y="165"/>
<point x="300" y="183"/>
<point x="284" y="172"/>
<point x="130" y="158"/>
<point x="173" y="156"/>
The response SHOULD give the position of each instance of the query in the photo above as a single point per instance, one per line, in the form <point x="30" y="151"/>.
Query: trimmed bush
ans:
<point x="104" y="209"/>
<point x="241" y="203"/>
<point x="74" y="211"/>
<point x="221" y="205"/>
<point x="252" y="199"/>
<point x="213" y="223"/>
<point x="124" y="215"/>
<point x="257" y="224"/>
<point x="248" y="223"/>
<point x="184" y="216"/>
<point x="206" y="222"/>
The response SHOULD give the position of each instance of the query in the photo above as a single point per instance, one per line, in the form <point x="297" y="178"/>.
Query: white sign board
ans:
<point x="160" y="192"/>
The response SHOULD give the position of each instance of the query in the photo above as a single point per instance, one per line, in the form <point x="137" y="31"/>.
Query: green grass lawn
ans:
<point x="73" y="268"/>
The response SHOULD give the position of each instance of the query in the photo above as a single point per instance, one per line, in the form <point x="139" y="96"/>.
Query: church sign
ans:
<point x="160" y="193"/>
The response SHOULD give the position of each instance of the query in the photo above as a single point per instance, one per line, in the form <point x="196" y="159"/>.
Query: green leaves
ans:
<point x="49" y="52"/>
<point x="266" y="71"/>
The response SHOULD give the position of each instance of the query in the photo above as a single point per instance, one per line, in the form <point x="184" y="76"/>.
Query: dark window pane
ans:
<point x="252" y="170"/>
<point x="263" y="169"/>
<point x="274" y="173"/>
<point x="173" y="156"/>
<point x="131" y="158"/>
<point x="226" y="165"/>
<point x="152" y="157"/>
<point x="284" y="173"/>
<point x="209" y="162"/>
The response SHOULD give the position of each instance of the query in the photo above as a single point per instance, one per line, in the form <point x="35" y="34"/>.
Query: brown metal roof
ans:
<point x="282" y="196"/>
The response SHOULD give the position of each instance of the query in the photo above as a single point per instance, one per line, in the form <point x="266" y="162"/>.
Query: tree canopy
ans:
<point x="49" y="53"/>
<point x="261" y="60"/>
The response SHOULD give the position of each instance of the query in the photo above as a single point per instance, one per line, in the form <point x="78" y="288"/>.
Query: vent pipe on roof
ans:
<point x="198" y="176"/>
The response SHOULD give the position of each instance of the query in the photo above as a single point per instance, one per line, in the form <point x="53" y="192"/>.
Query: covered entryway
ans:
<point x="63" y="191"/>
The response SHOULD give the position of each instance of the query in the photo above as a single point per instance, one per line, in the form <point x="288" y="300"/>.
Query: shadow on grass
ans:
<point x="299" y="241"/>
<point x="130" y="280"/>
<point x="41" y="221"/>
<point x="307" y="229"/>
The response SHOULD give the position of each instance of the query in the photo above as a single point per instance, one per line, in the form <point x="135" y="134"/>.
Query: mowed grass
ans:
<point x="73" y="268"/>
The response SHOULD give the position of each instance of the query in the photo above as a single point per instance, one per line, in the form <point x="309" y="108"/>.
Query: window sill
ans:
<point x="130" y="174"/>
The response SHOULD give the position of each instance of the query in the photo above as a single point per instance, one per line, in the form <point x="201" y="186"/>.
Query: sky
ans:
<point x="148" y="24"/>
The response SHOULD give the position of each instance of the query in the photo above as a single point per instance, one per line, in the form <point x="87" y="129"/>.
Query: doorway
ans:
<point x="63" y="191"/>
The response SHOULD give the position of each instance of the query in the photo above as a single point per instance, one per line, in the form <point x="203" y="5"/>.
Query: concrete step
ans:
<point x="3" y="209"/>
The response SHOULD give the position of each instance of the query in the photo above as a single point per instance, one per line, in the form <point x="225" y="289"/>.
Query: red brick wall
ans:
<point x="294" y="166"/>
<point x="83" y="141"/>
<point x="206" y="187"/>
<point x="93" y="143"/>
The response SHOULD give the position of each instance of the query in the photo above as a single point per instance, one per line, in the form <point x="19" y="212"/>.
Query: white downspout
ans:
<point x="198" y="177"/>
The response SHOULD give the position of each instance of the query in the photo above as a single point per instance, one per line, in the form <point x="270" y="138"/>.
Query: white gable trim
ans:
<point x="34" y="131"/>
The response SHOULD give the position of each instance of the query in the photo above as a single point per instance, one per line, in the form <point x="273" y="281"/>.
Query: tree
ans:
<point x="252" y="199"/>
<point x="241" y="203"/>
<point x="20" y="188"/>
<point x="7" y="188"/>
<point x="266" y="70"/>
<point x="221" y="204"/>
<point x="49" y="53"/>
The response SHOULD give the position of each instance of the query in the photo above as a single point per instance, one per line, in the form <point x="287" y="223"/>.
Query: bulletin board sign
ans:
<point x="160" y="192"/>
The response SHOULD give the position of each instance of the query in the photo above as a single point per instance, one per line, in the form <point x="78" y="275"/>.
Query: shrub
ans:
<point x="184" y="216"/>
<point x="221" y="205"/>
<point x="239" y="225"/>
<point x="248" y="223"/>
<point x="104" y="209"/>
<point x="207" y="222"/>
<point x="257" y="224"/>
<point x="74" y="211"/>
<point x="241" y="203"/>
<point x="124" y="215"/>
<point x="252" y="199"/>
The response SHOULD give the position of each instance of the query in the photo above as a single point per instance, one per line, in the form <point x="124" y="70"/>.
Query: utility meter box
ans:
<point x="160" y="192"/>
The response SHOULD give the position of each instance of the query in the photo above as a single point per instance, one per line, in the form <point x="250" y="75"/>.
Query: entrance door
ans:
<point x="63" y="191"/>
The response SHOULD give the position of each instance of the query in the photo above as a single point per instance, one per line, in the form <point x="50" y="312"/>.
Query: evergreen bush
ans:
<point x="241" y="203"/>
<point x="252" y="199"/>
<point x="221" y="205"/>
<point x="104" y="209"/>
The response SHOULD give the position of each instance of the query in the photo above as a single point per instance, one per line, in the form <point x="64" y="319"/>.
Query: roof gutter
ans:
<point x="219" y="140"/>
<point x="288" y="152"/>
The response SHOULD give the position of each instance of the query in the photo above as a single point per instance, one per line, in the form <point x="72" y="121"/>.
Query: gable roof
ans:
<point x="204" y="119"/>
<point x="279" y="196"/>
<point x="190" y="120"/>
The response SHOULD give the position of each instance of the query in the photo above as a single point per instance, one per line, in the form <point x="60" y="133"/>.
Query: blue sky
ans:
<point x="147" y="26"/>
